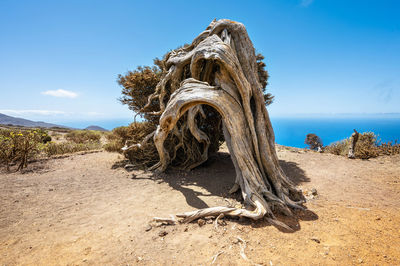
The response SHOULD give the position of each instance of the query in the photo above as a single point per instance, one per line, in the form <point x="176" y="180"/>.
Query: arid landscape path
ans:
<point x="88" y="210"/>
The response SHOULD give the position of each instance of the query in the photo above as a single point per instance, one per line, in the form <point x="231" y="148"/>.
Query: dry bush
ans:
<point x="133" y="134"/>
<point x="19" y="146"/>
<point x="69" y="147"/>
<point x="338" y="148"/>
<point x="137" y="86"/>
<point x="56" y="135"/>
<point x="367" y="147"/>
<point x="83" y="136"/>
<point x="389" y="148"/>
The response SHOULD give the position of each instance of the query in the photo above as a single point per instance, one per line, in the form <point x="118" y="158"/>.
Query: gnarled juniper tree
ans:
<point x="214" y="90"/>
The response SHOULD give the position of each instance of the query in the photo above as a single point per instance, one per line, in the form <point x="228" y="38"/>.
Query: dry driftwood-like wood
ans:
<point x="212" y="88"/>
<point x="353" y="142"/>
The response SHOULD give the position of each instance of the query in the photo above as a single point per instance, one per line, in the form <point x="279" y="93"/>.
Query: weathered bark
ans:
<point x="352" y="146"/>
<point x="219" y="70"/>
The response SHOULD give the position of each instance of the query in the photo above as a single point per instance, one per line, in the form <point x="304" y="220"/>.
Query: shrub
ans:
<point x="69" y="147"/>
<point x="137" y="86"/>
<point x="389" y="148"/>
<point x="338" y="148"/>
<point x="56" y="135"/>
<point x="83" y="136"/>
<point x="133" y="134"/>
<point x="313" y="141"/>
<point x="44" y="136"/>
<point x="18" y="147"/>
<point x="367" y="147"/>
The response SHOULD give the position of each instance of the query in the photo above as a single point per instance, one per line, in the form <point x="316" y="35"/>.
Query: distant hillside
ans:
<point x="15" y="121"/>
<point x="96" y="128"/>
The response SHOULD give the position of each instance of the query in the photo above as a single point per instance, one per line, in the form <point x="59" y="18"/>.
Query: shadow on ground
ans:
<point x="216" y="177"/>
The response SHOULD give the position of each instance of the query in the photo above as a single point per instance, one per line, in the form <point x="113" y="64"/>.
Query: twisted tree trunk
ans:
<point x="219" y="70"/>
<point x="352" y="146"/>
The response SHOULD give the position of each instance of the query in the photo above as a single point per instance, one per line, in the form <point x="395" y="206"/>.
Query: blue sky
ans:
<point x="59" y="60"/>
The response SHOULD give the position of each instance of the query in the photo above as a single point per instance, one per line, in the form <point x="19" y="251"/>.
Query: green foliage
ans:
<point x="19" y="146"/>
<point x="368" y="146"/>
<point x="83" y="136"/>
<point x="44" y="136"/>
<point x="52" y="148"/>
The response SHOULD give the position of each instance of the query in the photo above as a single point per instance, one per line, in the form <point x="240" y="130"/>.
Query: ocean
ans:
<point x="292" y="131"/>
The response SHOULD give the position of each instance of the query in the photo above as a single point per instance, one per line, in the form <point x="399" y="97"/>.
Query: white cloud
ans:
<point x="306" y="3"/>
<point x="33" y="112"/>
<point x="61" y="93"/>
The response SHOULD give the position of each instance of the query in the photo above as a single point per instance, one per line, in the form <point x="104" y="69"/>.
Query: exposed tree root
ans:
<point x="214" y="258"/>
<point x="243" y="246"/>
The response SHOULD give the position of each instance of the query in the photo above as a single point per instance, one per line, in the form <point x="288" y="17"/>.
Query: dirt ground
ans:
<point x="87" y="209"/>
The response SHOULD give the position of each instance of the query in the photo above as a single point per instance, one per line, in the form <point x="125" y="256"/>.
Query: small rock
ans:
<point x="201" y="222"/>
<point x="185" y="230"/>
<point x="51" y="189"/>
<point x="162" y="233"/>
<point x="316" y="240"/>
<point x="378" y="218"/>
<point x="235" y="241"/>
<point x="209" y="221"/>
<point x="314" y="192"/>
<point x="148" y="228"/>
<point x="360" y="261"/>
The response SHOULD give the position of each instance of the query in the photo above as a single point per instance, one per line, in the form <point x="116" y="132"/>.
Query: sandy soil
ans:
<point x="87" y="209"/>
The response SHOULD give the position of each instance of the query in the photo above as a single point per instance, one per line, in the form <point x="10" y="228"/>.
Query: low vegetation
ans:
<point x="129" y="136"/>
<point x="368" y="146"/>
<point x="83" y="136"/>
<point x="53" y="148"/>
<point x="18" y="146"/>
